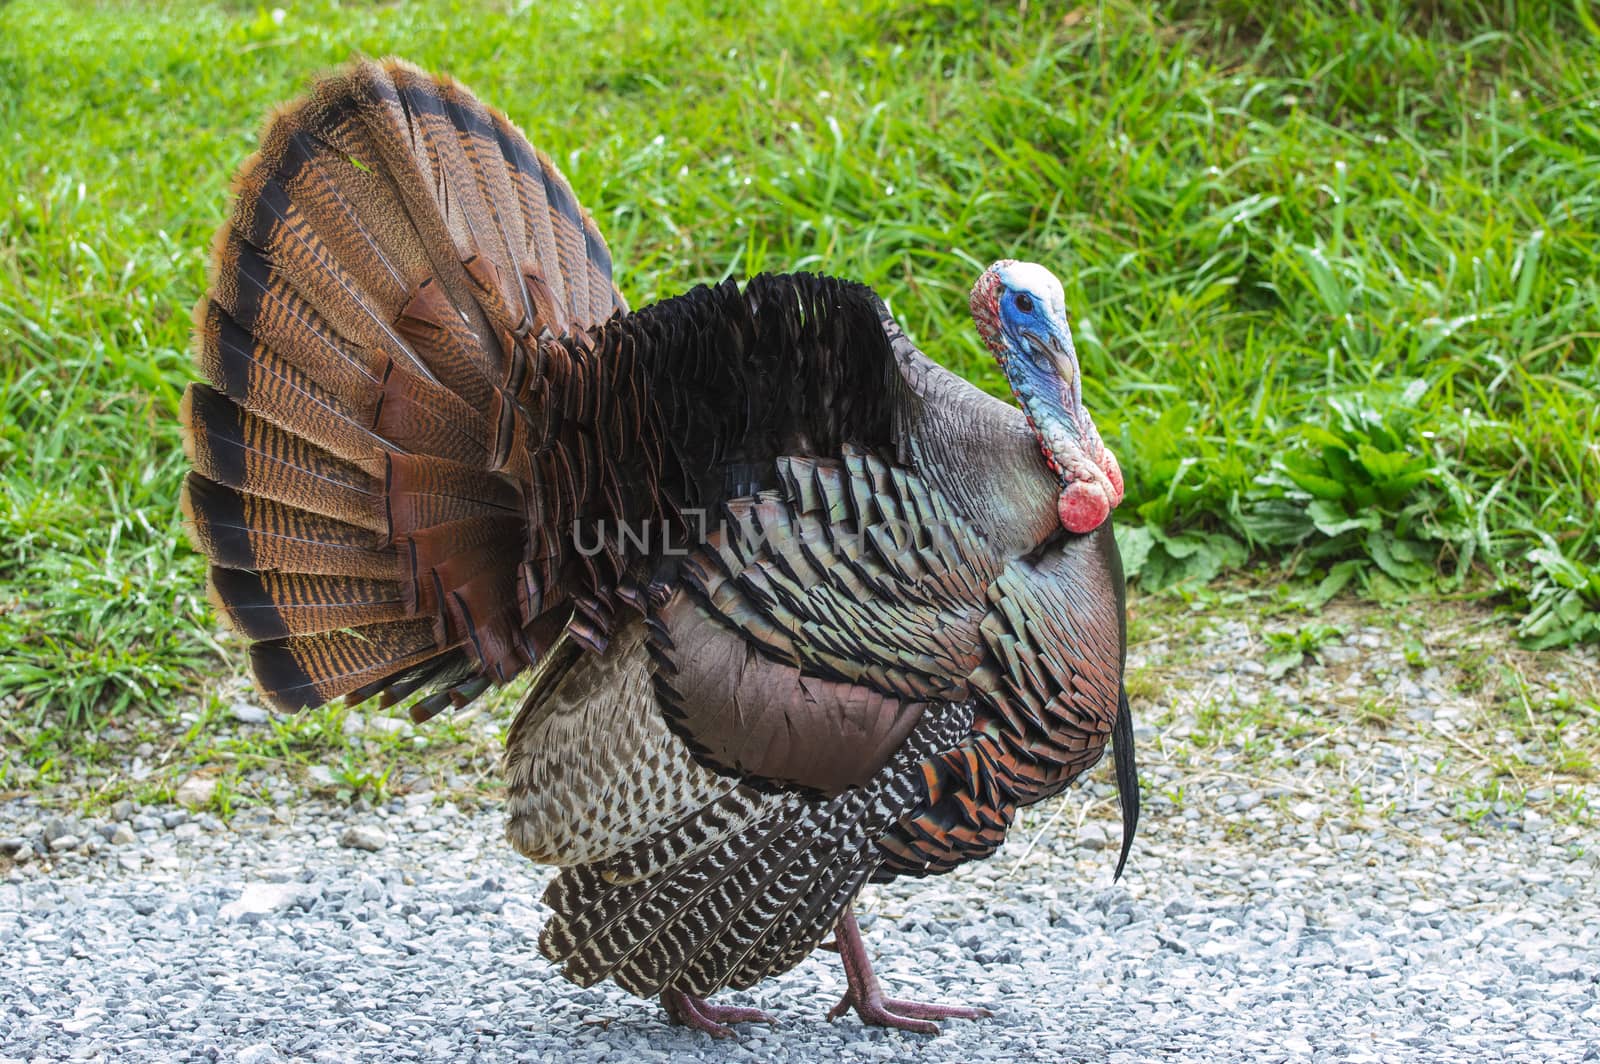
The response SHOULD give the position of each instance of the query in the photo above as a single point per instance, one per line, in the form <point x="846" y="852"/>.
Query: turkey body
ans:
<point x="799" y="605"/>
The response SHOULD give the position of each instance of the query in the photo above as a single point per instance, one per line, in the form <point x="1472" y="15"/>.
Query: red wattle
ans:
<point x="1113" y="472"/>
<point x="1082" y="507"/>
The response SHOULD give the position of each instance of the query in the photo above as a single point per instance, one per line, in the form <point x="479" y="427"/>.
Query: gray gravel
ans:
<point x="1268" y="914"/>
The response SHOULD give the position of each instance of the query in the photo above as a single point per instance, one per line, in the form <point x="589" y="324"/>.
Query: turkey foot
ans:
<point x="866" y="996"/>
<point x="698" y="1013"/>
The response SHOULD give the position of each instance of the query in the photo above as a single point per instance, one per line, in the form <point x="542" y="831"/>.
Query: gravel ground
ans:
<point x="1322" y="875"/>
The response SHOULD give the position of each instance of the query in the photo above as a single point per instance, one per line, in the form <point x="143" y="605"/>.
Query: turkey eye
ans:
<point x="1024" y="302"/>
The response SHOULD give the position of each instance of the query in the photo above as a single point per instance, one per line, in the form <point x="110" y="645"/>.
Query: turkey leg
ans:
<point x="866" y="996"/>
<point x="701" y="1015"/>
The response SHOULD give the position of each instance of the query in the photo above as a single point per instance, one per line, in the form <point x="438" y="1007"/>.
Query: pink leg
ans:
<point x="698" y="1013"/>
<point x="866" y="996"/>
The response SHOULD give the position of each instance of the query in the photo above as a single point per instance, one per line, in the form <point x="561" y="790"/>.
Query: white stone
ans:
<point x="245" y="713"/>
<point x="260" y="1053"/>
<point x="1092" y="836"/>
<point x="388" y="725"/>
<point x="259" y="898"/>
<point x="362" y="837"/>
<point x="196" y="792"/>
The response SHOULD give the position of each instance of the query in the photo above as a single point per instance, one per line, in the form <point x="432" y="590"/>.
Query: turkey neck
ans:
<point x="946" y="432"/>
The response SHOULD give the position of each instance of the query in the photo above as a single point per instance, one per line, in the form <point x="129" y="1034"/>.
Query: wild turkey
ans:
<point x="804" y="610"/>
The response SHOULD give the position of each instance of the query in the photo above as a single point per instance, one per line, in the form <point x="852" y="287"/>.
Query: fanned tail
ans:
<point x="395" y="254"/>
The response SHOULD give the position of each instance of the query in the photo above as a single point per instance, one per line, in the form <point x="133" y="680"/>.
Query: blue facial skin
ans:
<point x="1041" y="348"/>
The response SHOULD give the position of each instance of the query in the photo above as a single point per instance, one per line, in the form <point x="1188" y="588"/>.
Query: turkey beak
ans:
<point x="1058" y="350"/>
<point x="1091" y="480"/>
<point x="1054" y="353"/>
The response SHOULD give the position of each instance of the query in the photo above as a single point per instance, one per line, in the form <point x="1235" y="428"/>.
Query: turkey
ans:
<point x="803" y="611"/>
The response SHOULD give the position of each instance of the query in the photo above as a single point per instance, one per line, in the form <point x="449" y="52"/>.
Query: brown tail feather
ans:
<point x="246" y="370"/>
<point x="238" y="449"/>
<point x="308" y="670"/>
<point x="362" y="478"/>
<point x="269" y="605"/>
<point x="239" y="531"/>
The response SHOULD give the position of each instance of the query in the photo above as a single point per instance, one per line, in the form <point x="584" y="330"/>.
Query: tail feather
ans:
<point x="448" y="671"/>
<point x="424" y="147"/>
<point x="272" y="605"/>
<point x="436" y="329"/>
<point x="362" y="479"/>
<point x="234" y="447"/>
<point x="240" y="531"/>
<point x="360" y="308"/>
<point x="419" y="415"/>
<point x="258" y="295"/>
<point x="422" y="492"/>
<point x="258" y="379"/>
<point x="303" y="671"/>
<point x="306" y="207"/>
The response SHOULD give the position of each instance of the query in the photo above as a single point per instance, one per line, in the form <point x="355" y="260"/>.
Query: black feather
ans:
<point x="1127" y="776"/>
<point x="282" y="678"/>
<point x="221" y="511"/>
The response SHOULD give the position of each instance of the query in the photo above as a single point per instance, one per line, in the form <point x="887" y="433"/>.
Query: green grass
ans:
<point x="1333" y="273"/>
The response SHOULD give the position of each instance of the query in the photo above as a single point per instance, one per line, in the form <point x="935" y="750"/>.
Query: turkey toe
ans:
<point x="686" y="1010"/>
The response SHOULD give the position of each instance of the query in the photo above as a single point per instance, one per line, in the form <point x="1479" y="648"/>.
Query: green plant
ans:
<point x="1361" y="485"/>
<point x="1288" y="650"/>
<point x="1565" y="593"/>
<point x="355" y="778"/>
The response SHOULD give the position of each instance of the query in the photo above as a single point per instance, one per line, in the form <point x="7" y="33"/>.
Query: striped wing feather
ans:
<point x="816" y="627"/>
